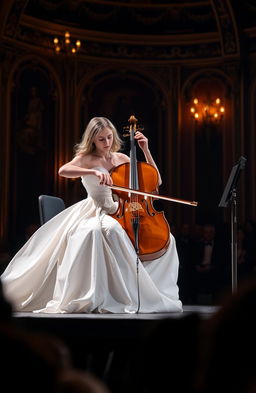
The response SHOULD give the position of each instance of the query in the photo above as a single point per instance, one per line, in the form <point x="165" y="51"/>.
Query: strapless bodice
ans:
<point x="102" y="195"/>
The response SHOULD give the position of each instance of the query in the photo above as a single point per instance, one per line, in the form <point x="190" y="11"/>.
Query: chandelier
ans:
<point x="65" y="45"/>
<point x="207" y="112"/>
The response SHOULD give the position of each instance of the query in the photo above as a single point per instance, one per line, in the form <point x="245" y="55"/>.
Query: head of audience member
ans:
<point x="228" y="344"/>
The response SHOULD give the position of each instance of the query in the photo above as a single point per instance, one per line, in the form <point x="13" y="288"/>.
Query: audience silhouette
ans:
<point x="38" y="361"/>
<point x="228" y="345"/>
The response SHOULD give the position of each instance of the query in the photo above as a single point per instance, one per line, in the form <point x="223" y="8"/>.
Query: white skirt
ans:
<point x="82" y="261"/>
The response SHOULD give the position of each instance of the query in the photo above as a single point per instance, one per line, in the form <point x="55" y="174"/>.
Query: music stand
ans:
<point x="229" y="196"/>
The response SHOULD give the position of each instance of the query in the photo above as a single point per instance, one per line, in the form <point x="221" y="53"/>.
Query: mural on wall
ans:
<point x="33" y="128"/>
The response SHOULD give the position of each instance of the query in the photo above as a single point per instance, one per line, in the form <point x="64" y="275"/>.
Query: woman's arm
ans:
<point x="75" y="168"/>
<point x="143" y="144"/>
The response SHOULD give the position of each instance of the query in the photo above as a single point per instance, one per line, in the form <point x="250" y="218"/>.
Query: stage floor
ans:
<point x="203" y="311"/>
<point x="111" y="330"/>
<point x="111" y="345"/>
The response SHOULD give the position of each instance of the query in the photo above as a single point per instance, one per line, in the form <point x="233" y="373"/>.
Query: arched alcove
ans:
<point x="33" y="131"/>
<point x="206" y="142"/>
<point x="119" y="94"/>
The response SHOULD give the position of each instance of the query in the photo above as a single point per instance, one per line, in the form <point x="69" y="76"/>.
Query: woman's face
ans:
<point x="103" y="141"/>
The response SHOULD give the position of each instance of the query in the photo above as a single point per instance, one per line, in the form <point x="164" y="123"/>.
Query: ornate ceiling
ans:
<point x="133" y="30"/>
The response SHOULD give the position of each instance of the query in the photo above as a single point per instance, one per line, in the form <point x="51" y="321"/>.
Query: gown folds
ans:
<point x="82" y="261"/>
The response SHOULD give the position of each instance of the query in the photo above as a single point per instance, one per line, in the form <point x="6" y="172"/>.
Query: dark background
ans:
<point x="146" y="58"/>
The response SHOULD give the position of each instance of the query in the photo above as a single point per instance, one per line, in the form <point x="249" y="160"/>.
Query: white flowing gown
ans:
<point x="82" y="261"/>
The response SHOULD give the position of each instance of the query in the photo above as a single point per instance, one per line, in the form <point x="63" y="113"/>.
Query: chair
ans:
<point x="49" y="206"/>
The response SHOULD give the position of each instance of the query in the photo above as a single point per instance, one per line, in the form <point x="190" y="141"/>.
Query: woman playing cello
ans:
<point x="83" y="260"/>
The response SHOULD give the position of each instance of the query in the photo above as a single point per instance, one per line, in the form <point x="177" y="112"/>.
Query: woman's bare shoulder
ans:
<point x="121" y="157"/>
<point x="81" y="160"/>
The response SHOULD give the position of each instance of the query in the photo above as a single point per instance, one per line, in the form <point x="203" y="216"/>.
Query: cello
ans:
<point x="135" y="185"/>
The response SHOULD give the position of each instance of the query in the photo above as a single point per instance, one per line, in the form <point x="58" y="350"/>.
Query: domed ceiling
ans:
<point x="124" y="17"/>
<point x="145" y="29"/>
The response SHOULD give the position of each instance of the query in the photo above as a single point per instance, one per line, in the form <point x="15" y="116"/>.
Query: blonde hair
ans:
<point x="94" y="127"/>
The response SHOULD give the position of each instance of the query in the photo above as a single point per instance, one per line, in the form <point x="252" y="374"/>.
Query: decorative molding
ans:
<point x="227" y="27"/>
<point x="127" y="17"/>
<point x="119" y="38"/>
<point x="201" y="42"/>
<point x="14" y="17"/>
<point x="36" y="39"/>
<point x="152" y="53"/>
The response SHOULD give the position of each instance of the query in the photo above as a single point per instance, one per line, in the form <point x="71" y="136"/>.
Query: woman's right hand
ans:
<point x="104" y="178"/>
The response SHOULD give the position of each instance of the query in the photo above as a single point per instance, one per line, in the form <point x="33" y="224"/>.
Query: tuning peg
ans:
<point x="126" y="129"/>
<point x="140" y="128"/>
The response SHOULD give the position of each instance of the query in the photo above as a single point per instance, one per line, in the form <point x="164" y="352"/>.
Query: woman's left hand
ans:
<point x="142" y="140"/>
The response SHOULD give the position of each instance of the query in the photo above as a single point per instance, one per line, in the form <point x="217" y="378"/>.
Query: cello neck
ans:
<point x="134" y="179"/>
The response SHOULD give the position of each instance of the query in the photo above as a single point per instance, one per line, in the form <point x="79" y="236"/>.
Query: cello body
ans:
<point x="146" y="227"/>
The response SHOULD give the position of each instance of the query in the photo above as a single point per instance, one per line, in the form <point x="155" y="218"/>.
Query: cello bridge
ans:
<point x="135" y="207"/>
